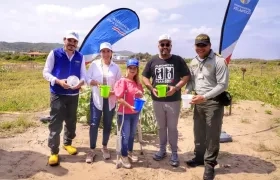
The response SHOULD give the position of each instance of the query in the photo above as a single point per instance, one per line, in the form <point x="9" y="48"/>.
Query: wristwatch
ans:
<point x="177" y="88"/>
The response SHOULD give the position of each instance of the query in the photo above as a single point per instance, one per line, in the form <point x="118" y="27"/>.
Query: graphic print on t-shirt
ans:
<point x="164" y="73"/>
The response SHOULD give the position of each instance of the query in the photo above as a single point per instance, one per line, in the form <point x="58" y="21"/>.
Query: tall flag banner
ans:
<point x="236" y="17"/>
<point x="111" y="28"/>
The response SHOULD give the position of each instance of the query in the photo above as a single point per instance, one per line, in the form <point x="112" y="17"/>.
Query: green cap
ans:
<point x="202" y="39"/>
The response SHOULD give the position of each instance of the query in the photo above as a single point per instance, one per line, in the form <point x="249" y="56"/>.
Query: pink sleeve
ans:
<point x="141" y="87"/>
<point x="119" y="88"/>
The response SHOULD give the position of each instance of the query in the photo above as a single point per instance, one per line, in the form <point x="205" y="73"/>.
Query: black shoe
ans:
<point x="194" y="163"/>
<point x="208" y="172"/>
<point x="159" y="156"/>
<point x="174" y="160"/>
<point x="45" y="119"/>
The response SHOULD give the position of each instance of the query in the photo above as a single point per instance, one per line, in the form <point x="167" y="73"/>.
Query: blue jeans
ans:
<point x="95" y="117"/>
<point x="128" y="131"/>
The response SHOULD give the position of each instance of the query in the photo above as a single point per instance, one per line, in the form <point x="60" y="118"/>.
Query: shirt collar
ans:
<point x="66" y="52"/>
<point x="212" y="54"/>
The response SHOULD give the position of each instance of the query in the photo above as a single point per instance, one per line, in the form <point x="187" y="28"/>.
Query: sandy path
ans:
<point x="254" y="154"/>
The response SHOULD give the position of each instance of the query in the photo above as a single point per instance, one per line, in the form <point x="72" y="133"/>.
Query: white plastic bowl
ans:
<point x="73" y="81"/>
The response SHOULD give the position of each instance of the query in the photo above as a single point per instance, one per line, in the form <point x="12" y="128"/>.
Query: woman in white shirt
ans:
<point x="102" y="72"/>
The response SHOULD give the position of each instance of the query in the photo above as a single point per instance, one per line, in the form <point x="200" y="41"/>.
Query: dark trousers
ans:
<point x="208" y="118"/>
<point x="128" y="131"/>
<point x="95" y="117"/>
<point x="63" y="108"/>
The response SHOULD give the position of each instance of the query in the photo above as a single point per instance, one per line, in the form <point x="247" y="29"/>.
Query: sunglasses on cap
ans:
<point x="165" y="45"/>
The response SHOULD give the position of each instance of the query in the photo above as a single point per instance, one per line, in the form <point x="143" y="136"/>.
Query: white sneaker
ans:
<point x="106" y="153"/>
<point x="132" y="157"/>
<point x="90" y="156"/>
<point x="125" y="162"/>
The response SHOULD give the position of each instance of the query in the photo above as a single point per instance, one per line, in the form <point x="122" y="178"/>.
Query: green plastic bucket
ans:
<point x="105" y="91"/>
<point x="162" y="88"/>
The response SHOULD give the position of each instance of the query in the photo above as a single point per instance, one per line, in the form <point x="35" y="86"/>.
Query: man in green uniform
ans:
<point x="209" y="78"/>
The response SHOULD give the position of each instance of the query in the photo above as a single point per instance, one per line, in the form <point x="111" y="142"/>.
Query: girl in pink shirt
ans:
<point x="126" y="89"/>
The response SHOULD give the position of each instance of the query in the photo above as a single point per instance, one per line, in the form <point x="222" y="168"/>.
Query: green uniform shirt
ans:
<point x="209" y="77"/>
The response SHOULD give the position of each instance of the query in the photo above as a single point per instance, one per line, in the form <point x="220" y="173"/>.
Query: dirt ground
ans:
<point x="254" y="153"/>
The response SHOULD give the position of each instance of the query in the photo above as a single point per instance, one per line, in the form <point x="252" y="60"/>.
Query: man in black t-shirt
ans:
<point x="173" y="71"/>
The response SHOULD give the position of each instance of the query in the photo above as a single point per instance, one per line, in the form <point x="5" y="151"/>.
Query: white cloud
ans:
<point x="53" y="9"/>
<point x="87" y="12"/>
<point x="167" y="4"/>
<point x="201" y="29"/>
<point x="157" y="17"/>
<point x="92" y="11"/>
<point x="174" y="17"/>
<point x="263" y="14"/>
<point x="13" y="11"/>
<point x="247" y="28"/>
<point x="173" y="30"/>
<point x="150" y="14"/>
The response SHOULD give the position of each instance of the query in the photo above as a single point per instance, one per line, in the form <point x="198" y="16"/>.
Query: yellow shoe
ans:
<point x="70" y="149"/>
<point x="53" y="160"/>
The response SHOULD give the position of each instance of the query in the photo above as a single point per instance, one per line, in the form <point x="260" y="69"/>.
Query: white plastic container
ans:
<point x="186" y="99"/>
<point x="73" y="81"/>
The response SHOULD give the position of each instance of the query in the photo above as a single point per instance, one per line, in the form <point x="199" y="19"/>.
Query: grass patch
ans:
<point x="24" y="89"/>
<point x="258" y="85"/>
<point x="245" y="121"/>
<point x="261" y="147"/>
<point x="19" y="125"/>
<point x="278" y="132"/>
<point x="268" y="112"/>
<point x="276" y="120"/>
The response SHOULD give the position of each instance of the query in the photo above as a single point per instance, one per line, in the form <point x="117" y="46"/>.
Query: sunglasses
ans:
<point x="166" y="45"/>
<point x="72" y="41"/>
<point x="201" y="45"/>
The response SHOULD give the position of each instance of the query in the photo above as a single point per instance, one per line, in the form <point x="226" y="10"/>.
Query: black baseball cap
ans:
<point x="202" y="39"/>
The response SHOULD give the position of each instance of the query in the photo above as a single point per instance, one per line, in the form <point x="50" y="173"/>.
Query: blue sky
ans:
<point x="47" y="21"/>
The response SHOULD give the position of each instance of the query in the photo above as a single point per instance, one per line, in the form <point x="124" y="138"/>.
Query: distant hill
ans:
<point x="42" y="47"/>
<point x="26" y="46"/>
<point x="125" y="53"/>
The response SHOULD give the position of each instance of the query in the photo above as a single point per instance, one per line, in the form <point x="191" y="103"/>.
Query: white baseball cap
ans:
<point x="106" y="45"/>
<point x="164" y="37"/>
<point x="72" y="35"/>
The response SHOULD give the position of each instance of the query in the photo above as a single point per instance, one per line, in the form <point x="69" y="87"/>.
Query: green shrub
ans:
<point x="25" y="58"/>
<point x="147" y="117"/>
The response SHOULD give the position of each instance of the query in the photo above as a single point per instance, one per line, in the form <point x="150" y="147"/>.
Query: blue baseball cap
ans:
<point x="132" y="62"/>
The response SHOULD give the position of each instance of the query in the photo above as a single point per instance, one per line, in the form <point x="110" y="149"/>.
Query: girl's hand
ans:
<point x="139" y="93"/>
<point x="132" y="108"/>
